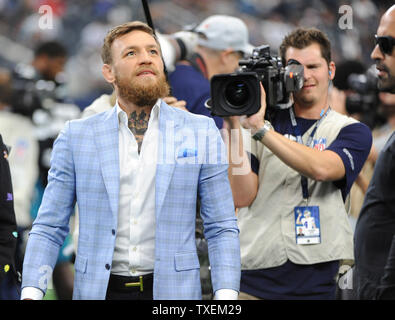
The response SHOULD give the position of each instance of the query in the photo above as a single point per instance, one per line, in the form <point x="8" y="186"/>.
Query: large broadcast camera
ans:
<point x="239" y="93"/>
<point x="31" y="93"/>
<point x="364" y="99"/>
<point x="365" y="91"/>
<point x="45" y="103"/>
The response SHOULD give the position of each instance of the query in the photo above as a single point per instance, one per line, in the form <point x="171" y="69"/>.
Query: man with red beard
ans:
<point x="374" y="272"/>
<point x="136" y="171"/>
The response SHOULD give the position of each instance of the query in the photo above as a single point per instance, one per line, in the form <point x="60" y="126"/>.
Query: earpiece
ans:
<point x="330" y="73"/>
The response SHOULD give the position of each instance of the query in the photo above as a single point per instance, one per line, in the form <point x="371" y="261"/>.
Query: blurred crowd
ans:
<point x="81" y="26"/>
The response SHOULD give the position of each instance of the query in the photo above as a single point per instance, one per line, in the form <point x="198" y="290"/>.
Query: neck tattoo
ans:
<point x="138" y="125"/>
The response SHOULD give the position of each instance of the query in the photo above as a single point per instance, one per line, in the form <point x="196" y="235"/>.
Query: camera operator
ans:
<point x="374" y="272"/>
<point x="222" y="42"/>
<point x="303" y="163"/>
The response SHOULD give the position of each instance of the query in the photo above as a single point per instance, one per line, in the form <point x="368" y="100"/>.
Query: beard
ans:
<point x="142" y="92"/>
<point x="386" y="84"/>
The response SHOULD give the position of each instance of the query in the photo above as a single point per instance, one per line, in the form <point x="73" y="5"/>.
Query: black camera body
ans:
<point x="44" y="103"/>
<point x="239" y="93"/>
<point x="29" y="91"/>
<point x="363" y="98"/>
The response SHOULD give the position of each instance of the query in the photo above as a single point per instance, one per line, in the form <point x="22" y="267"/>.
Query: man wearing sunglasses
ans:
<point x="385" y="61"/>
<point x="374" y="272"/>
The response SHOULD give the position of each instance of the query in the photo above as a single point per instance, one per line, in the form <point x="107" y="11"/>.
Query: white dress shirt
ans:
<point x="135" y="243"/>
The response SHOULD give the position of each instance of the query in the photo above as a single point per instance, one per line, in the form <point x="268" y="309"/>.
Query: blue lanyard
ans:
<point x="298" y="135"/>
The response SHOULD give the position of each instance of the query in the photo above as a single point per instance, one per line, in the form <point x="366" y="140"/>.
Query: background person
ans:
<point x="222" y="42"/>
<point x="374" y="273"/>
<point x="18" y="131"/>
<point x="8" y="231"/>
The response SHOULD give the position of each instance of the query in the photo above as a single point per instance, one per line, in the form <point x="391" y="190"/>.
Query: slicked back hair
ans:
<point x="119" y="31"/>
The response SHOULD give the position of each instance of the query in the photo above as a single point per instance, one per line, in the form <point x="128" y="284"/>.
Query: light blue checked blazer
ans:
<point x="85" y="168"/>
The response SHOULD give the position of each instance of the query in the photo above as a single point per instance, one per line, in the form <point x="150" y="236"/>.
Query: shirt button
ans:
<point x="134" y="248"/>
<point x="108" y="266"/>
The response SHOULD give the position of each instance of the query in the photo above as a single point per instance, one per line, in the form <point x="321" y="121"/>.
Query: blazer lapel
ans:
<point x="169" y="123"/>
<point x="107" y="144"/>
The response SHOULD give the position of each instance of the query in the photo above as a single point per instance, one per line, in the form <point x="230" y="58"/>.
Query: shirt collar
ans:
<point x="123" y="117"/>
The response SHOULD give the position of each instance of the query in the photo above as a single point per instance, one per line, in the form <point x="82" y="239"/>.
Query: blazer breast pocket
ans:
<point x="187" y="156"/>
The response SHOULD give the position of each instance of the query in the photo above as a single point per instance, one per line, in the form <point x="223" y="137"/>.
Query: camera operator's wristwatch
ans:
<point x="262" y="131"/>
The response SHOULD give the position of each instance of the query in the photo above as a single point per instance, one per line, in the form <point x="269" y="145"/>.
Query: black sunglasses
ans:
<point x="385" y="43"/>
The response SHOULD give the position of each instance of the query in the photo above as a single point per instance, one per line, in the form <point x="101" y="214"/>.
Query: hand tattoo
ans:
<point x="138" y="124"/>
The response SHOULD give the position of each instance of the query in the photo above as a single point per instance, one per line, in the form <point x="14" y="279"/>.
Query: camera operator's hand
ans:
<point x="253" y="122"/>
<point x="243" y="180"/>
<point x="173" y="102"/>
<point x="232" y="122"/>
<point x="187" y="42"/>
<point x="257" y="120"/>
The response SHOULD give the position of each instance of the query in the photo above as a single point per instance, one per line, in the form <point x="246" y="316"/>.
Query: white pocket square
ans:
<point x="187" y="152"/>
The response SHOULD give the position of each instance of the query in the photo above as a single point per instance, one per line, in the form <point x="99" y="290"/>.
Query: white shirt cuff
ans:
<point x="226" y="294"/>
<point x="32" y="293"/>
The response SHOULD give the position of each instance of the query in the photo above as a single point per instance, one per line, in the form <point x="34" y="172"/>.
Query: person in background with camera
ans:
<point x="222" y="42"/>
<point x="374" y="272"/>
<point x="305" y="157"/>
<point x="354" y="93"/>
<point x="38" y="93"/>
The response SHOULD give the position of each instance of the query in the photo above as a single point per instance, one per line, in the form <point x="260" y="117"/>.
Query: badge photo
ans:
<point x="307" y="225"/>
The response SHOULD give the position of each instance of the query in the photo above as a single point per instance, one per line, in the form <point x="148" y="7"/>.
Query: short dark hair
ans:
<point x="302" y="38"/>
<point x="52" y="49"/>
